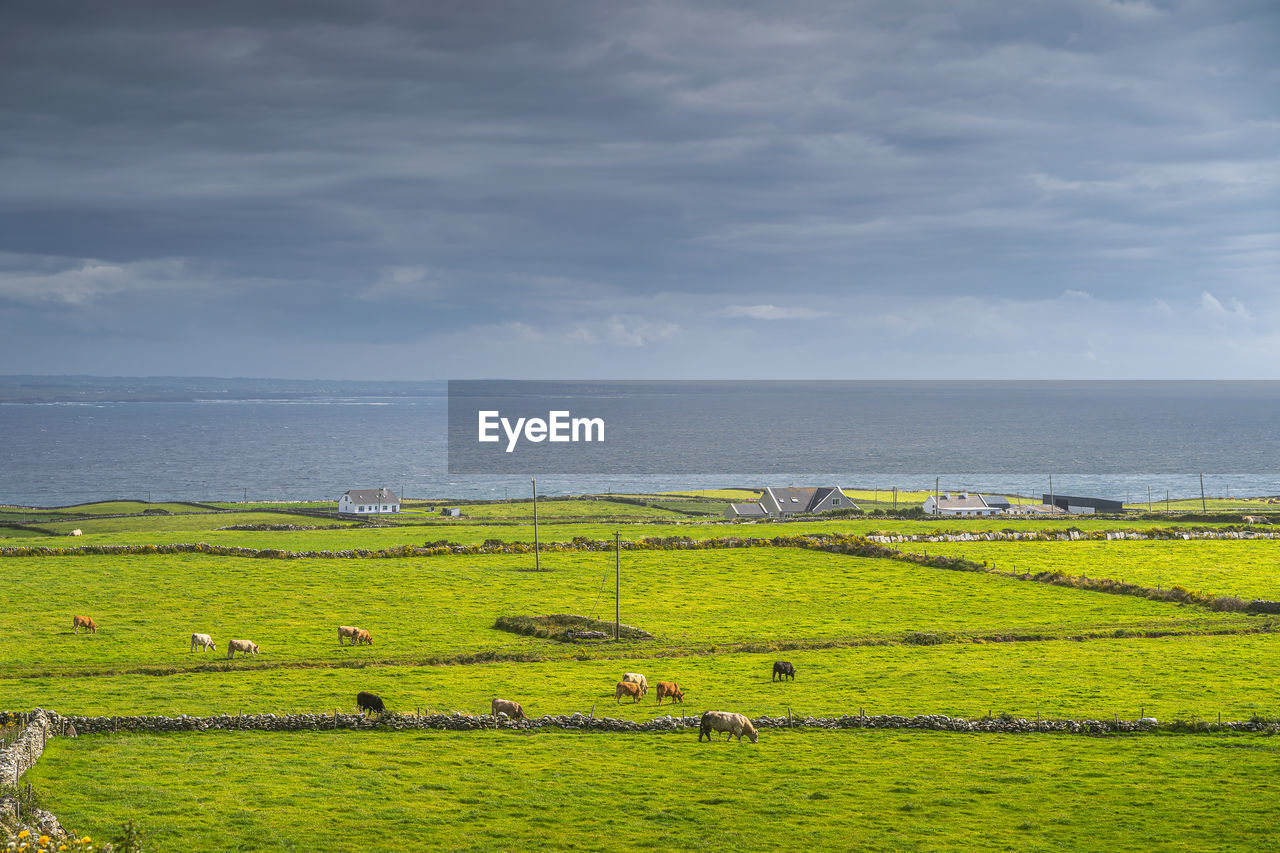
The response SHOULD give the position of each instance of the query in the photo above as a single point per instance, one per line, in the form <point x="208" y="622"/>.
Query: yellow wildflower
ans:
<point x="23" y="834"/>
<point x="44" y="839"/>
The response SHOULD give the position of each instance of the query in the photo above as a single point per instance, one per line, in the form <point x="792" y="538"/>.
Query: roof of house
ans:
<point x="1035" y="509"/>
<point x="999" y="501"/>
<point x="754" y="509"/>
<point x="963" y="500"/>
<point x="792" y="499"/>
<point x="372" y="496"/>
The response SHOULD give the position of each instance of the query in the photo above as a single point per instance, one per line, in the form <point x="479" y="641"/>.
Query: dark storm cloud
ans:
<point x="620" y="174"/>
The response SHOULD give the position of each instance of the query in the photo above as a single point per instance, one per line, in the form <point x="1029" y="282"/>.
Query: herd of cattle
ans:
<point x="633" y="684"/>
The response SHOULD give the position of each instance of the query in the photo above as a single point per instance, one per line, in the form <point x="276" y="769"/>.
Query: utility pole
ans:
<point x="935" y="495"/>
<point x="617" y="586"/>
<point x="536" y="560"/>
<point x="1148" y="499"/>
<point x="895" y="498"/>
<point x="1202" y="508"/>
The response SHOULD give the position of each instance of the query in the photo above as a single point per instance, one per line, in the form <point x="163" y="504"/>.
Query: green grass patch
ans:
<point x="1245" y="568"/>
<point x="488" y="791"/>
<point x="427" y="609"/>
<point x="1171" y="678"/>
<point x="167" y="526"/>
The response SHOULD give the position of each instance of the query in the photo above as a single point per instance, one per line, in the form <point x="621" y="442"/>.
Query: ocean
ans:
<point x="71" y="442"/>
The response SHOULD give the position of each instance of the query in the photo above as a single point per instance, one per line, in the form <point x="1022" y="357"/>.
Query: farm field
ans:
<point x="1247" y="568"/>
<point x="437" y="608"/>
<point x="414" y="528"/>
<point x="1170" y="678"/>
<point x="794" y="790"/>
<point x="560" y="509"/>
<point x="190" y="522"/>
<point x="882" y="635"/>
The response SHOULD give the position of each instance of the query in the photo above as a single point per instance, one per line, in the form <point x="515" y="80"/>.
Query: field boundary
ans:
<point x="59" y="724"/>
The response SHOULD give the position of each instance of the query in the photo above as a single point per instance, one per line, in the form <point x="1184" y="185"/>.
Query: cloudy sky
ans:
<point x="813" y="189"/>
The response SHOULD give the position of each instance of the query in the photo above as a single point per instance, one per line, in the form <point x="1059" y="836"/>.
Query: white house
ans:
<point x="780" y="503"/>
<point x="368" y="501"/>
<point x="964" y="503"/>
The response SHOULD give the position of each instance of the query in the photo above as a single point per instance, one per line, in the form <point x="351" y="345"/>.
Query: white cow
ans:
<point x="204" y="641"/>
<point x="637" y="678"/>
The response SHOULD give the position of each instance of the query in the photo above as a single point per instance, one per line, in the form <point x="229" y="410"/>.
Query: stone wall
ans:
<point x="457" y="721"/>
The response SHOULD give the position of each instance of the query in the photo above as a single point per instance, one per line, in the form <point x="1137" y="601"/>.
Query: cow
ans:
<point x="242" y="646"/>
<point x="363" y="636"/>
<point x="506" y="706"/>
<point x="78" y="622"/>
<point x="627" y="688"/>
<point x="782" y="669"/>
<point x="724" y="721"/>
<point x="347" y="631"/>
<point x="204" y="641"/>
<point x="76" y="532"/>
<point x="670" y="688"/>
<point x="370" y="702"/>
<point x="1256" y="519"/>
<point x="637" y="678"/>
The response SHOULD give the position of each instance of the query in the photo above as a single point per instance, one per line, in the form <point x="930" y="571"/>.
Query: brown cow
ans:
<point x="506" y="706"/>
<point x="363" y="636"/>
<point x="670" y="688"/>
<point x="78" y="622"/>
<point x="348" y="631"/>
<point x="627" y="688"/>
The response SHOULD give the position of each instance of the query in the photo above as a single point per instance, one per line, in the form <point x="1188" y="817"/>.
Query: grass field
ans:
<point x="802" y="791"/>
<point x="1249" y="569"/>
<point x="433" y="608"/>
<point x="1170" y="678"/>
<point x="851" y="626"/>
<point x="417" y="528"/>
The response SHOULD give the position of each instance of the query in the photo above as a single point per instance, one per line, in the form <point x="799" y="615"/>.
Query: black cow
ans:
<point x="370" y="702"/>
<point x="782" y="669"/>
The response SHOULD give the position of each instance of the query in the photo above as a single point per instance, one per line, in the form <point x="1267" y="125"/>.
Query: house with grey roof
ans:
<point x="963" y="503"/>
<point x="784" y="502"/>
<point x="368" y="502"/>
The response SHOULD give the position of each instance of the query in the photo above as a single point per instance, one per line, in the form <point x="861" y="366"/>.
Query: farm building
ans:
<point x="963" y="503"/>
<point x="451" y="511"/>
<point x="780" y="503"/>
<point x="368" y="501"/>
<point x="1078" y="505"/>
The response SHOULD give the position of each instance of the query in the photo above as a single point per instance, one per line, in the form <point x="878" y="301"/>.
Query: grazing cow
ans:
<point x="370" y="702"/>
<point x="506" y="706"/>
<point x="670" y="688"/>
<point x="241" y="646"/>
<point x="782" y="669"/>
<point x="637" y="678"/>
<point x="724" y="721"/>
<point x="627" y="688"/>
<point x="349" y="631"/>
<point x="363" y="636"/>
<point x="76" y="532"/>
<point x="1255" y="519"/>
<point x="78" y="622"/>
<point x="204" y="641"/>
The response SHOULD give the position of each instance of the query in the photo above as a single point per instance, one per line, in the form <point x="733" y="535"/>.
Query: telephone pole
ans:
<point x="617" y="586"/>
<point x="1202" y="508"/>
<point x="537" y="566"/>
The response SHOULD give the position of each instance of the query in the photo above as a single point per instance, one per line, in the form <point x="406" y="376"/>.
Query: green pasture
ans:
<point x="104" y="508"/>
<point x="587" y="509"/>
<point x="416" y="528"/>
<point x="1185" y="678"/>
<point x="794" y="790"/>
<point x="1245" y="568"/>
<point x="161" y="525"/>
<point x="727" y="495"/>
<point x="431" y="608"/>
<point x="331" y="506"/>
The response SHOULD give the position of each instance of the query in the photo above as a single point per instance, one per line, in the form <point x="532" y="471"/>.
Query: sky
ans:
<point x="813" y="189"/>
